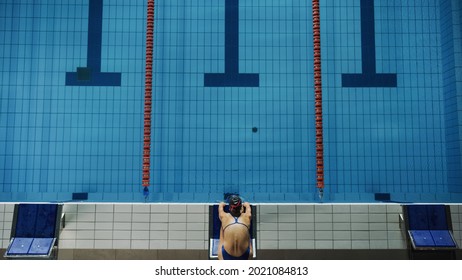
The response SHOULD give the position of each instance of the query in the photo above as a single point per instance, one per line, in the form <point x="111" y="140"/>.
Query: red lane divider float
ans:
<point x="148" y="95"/>
<point x="318" y="98"/>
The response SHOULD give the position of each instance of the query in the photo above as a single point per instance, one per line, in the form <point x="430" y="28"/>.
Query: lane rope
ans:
<point x="318" y="98"/>
<point x="148" y="95"/>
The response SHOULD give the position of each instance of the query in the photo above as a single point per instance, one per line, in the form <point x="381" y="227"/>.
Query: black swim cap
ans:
<point x="235" y="203"/>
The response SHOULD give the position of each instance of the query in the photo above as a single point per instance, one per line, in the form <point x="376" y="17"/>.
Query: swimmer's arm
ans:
<point x="221" y="210"/>
<point x="248" y="209"/>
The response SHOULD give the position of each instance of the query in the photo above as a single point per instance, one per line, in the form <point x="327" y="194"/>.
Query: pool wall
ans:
<point x="179" y="231"/>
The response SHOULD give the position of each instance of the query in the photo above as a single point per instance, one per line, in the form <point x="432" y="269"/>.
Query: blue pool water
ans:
<point x="234" y="117"/>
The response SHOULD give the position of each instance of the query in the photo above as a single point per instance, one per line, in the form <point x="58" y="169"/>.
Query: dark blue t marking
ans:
<point x="369" y="77"/>
<point x="92" y="75"/>
<point x="231" y="77"/>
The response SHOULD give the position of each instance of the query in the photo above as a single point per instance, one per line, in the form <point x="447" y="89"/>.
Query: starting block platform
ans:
<point x="35" y="231"/>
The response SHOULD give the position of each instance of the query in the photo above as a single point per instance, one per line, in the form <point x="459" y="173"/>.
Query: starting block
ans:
<point x="35" y="231"/>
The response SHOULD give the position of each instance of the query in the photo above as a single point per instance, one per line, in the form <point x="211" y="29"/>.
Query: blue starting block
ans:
<point x="215" y="227"/>
<point x="429" y="228"/>
<point x="35" y="231"/>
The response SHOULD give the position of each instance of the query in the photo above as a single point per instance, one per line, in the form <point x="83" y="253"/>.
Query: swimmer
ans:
<point x="235" y="243"/>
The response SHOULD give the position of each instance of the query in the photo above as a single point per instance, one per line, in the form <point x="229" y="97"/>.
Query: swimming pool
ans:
<point x="230" y="117"/>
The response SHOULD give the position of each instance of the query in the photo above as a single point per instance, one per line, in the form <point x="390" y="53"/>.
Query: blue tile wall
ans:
<point x="451" y="57"/>
<point x="71" y="99"/>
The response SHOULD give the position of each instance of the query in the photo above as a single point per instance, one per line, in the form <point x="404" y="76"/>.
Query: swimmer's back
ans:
<point x="236" y="236"/>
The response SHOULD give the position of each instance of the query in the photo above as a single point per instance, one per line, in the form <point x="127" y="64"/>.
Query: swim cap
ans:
<point x="235" y="203"/>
